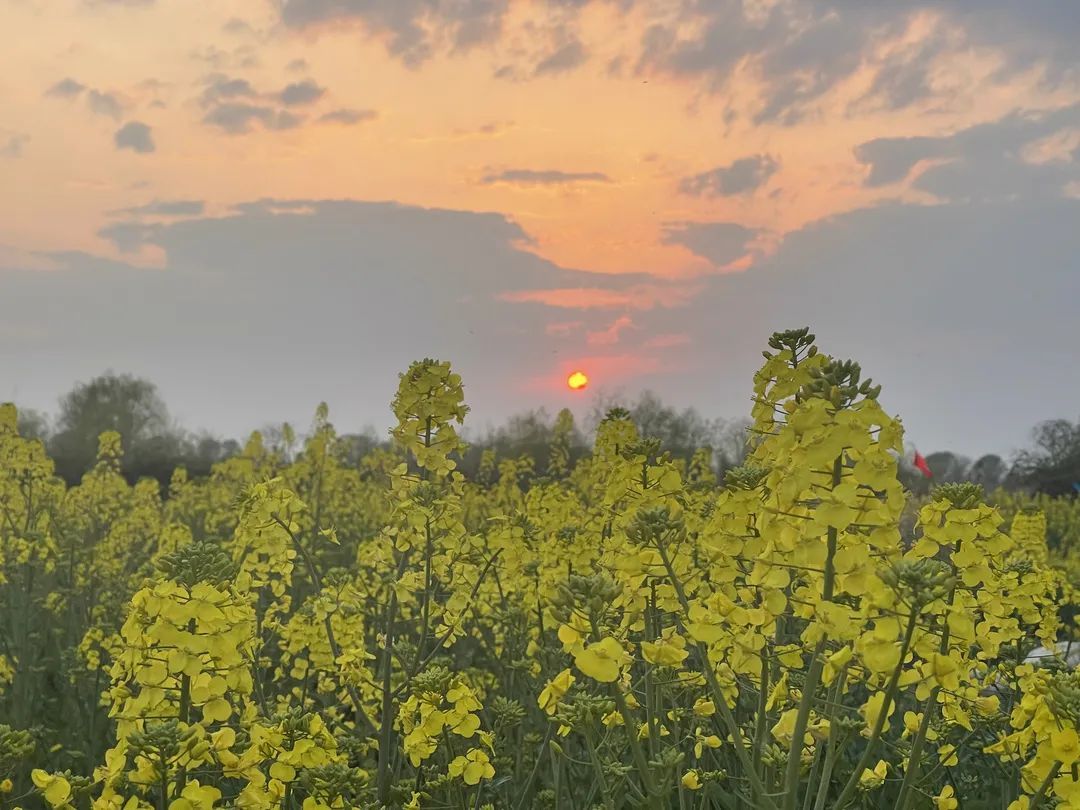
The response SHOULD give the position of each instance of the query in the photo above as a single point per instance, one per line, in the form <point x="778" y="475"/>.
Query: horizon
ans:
<point x="584" y="415"/>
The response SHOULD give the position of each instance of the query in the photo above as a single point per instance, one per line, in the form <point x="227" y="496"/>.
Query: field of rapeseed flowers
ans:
<point x="626" y="631"/>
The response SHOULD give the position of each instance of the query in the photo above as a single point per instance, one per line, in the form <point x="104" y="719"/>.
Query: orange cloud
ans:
<point x="639" y="297"/>
<point x="610" y="336"/>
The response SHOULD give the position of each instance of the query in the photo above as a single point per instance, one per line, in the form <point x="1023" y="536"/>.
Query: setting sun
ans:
<point x="577" y="381"/>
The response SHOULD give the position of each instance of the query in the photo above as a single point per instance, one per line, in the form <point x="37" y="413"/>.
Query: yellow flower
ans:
<point x="690" y="780"/>
<point x="946" y="800"/>
<point x="556" y="688"/>
<point x="704" y="708"/>
<point x="667" y="651"/>
<point x="701" y="742"/>
<point x="870" y="779"/>
<point x="942" y="670"/>
<point x="835" y="663"/>
<point x="196" y="797"/>
<point x="282" y="771"/>
<point x="472" y="767"/>
<point x="1065" y="746"/>
<point x="872" y="709"/>
<point x="947" y="755"/>
<point x="785" y="726"/>
<point x="55" y="789"/>
<point x="602" y="660"/>
<point x="879" y="654"/>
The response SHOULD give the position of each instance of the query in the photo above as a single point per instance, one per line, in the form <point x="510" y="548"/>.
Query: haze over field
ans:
<point x="260" y="205"/>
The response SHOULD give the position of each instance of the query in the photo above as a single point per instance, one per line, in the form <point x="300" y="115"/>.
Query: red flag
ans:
<point x="922" y="466"/>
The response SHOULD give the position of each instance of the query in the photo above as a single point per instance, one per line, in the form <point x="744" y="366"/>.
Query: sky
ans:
<point x="264" y="204"/>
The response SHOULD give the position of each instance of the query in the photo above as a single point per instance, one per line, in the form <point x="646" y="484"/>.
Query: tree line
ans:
<point x="155" y="445"/>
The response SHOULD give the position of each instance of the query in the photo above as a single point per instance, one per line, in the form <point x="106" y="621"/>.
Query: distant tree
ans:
<point x="563" y="439"/>
<point x="33" y="424"/>
<point x="989" y="471"/>
<point x="948" y="467"/>
<point x="731" y="446"/>
<point x="202" y="452"/>
<point x="129" y="405"/>
<point x="280" y="439"/>
<point x="1053" y="464"/>
<point x="353" y="447"/>
<point x="681" y="432"/>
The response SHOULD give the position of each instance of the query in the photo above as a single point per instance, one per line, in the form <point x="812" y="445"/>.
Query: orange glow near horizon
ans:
<point x="577" y="381"/>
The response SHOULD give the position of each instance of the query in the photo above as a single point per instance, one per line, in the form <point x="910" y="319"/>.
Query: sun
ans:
<point x="577" y="381"/>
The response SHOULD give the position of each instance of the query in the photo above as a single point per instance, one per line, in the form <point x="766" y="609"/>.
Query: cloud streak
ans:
<point x="348" y="117"/>
<point x="542" y="177"/>
<point x="743" y="176"/>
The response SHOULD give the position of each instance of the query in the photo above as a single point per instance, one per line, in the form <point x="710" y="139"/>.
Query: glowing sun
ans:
<point x="577" y="381"/>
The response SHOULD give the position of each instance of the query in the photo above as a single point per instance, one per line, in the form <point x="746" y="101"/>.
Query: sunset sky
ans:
<point x="261" y="204"/>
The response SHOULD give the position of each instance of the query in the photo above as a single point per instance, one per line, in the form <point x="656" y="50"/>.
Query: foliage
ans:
<point x="1053" y="465"/>
<point x="306" y="628"/>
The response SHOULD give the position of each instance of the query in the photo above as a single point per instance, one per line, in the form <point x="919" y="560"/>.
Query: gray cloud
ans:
<point x="800" y="49"/>
<point x="903" y="78"/>
<point x="129" y="237"/>
<point x="241" y="57"/>
<point x="239" y="118"/>
<point x="301" y="93"/>
<point x="566" y="58"/>
<point x="985" y="161"/>
<point x="740" y="177"/>
<point x="237" y="27"/>
<point x="414" y="30"/>
<point x="220" y="87"/>
<point x="718" y="242"/>
<point x="99" y="102"/>
<point x="12" y="145"/>
<point x="1028" y="34"/>
<point x="348" y="116"/>
<point x="102" y="103"/>
<point x="135" y="136"/>
<point x="235" y="107"/>
<point x="66" y="88"/>
<point x="164" y="208"/>
<point x="549" y="177"/>
<point x="804" y="48"/>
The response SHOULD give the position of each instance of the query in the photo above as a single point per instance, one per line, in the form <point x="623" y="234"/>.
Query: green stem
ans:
<point x="832" y="745"/>
<point x="358" y="707"/>
<point x="545" y="748"/>
<point x="1040" y="794"/>
<point x="635" y="747"/>
<point x="386" y="731"/>
<point x="806" y="702"/>
<point x="907" y="787"/>
<point x="609" y="800"/>
<point x="879" y="724"/>
<point x="718" y="694"/>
